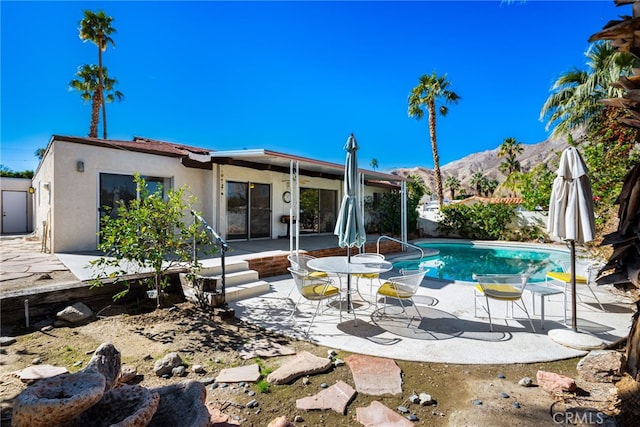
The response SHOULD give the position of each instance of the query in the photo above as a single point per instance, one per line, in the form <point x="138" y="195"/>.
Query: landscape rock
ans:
<point x="105" y="361"/>
<point x="425" y="399"/>
<point x="601" y="366"/>
<point x="304" y="363"/>
<point x="377" y="414"/>
<point x="525" y="382"/>
<point x="75" y="313"/>
<point x="179" y="371"/>
<point x="124" y="406"/>
<point x="282" y="421"/>
<point x="336" y="397"/>
<point x="5" y="341"/>
<point x="555" y="383"/>
<point x="165" y="365"/>
<point x="57" y="400"/>
<point x="181" y="404"/>
<point x="127" y="373"/>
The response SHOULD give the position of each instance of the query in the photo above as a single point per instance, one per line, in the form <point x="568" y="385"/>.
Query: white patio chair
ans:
<point x="299" y="262"/>
<point x="401" y="288"/>
<point x="313" y="289"/>
<point x="501" y="287"/>
<point x="585" y="272"/>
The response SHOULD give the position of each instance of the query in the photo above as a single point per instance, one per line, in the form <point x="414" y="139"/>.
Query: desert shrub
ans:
<point x="478" y="221"/>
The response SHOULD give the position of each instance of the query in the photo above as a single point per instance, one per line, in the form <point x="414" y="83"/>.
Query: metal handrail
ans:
<point x="401" y="242"/>
<point x="220" y="242"/>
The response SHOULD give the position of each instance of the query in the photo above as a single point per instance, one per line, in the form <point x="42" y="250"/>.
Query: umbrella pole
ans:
<point x="574" y="318"/>
<point x="348" y="281"/>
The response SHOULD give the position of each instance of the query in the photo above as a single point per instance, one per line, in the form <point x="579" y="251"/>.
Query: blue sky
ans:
<point x="296" y="77"/>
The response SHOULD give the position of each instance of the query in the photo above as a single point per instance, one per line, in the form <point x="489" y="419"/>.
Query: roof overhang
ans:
<point x="280" y="162"/>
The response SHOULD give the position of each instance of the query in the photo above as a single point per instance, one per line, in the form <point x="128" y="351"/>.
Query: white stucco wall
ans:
<point x="75" y="194"/>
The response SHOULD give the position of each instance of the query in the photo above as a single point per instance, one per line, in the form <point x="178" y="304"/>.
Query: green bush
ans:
<point x="478" y="221"/>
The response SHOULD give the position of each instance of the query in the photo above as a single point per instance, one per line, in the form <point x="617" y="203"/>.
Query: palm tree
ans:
<point x="374" y="164"/>
<point x="431" y="90"/>
<point x="88" y="85"/>
<point x="96" y="28"/>
<point x="478" y="182"/>
<point x="452" y="183"/>
<point x="510" y="149"/>
<point x="575" y="95"/>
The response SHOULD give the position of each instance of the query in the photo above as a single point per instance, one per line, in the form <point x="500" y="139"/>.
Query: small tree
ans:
<point x="147" y="234"/>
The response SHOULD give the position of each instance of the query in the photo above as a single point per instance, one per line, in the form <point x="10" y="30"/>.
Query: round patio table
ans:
<point x="341" y="265"/>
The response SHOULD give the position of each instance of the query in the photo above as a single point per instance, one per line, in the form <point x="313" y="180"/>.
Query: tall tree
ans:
<point x="509" y="149"/>
<point x="452" y="183"/>
<point x="432" y="94"/>
<point x="96" y="28"/>
<point x="88" y="85"/>
<point x="374" y="164"/>
<point x="575" y="96"/>
<point x="478" y="182"/>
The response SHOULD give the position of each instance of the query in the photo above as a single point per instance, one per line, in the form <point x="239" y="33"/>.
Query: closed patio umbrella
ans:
<point x="571" y="210"/>
<point x="350" y="223"/>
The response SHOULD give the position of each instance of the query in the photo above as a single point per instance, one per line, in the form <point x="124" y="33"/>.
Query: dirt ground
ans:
<point x="144" y="334"/>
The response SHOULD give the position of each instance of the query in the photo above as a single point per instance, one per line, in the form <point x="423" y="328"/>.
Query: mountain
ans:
<point x="487" y="162"/>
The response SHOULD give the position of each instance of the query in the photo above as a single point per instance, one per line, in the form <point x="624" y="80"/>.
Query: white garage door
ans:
<point x="14" y="212"/>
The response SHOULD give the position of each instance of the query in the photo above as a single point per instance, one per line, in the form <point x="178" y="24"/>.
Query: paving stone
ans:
<point x="336" y="397"/>
<point x="375" y="375"/>
<point x="248" y="373"/>
<point x="576" y="340"/>
<point x="264" y="348"/>
<point x="377" y="414"/>
<point x="303" y="363"/>
<point x="38" y="372"/>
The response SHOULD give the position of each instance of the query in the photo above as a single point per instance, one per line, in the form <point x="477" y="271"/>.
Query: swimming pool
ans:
<point x="460" y="260"/>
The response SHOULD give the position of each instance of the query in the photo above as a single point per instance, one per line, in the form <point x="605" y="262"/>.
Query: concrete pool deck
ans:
<point x="447" y="331"/>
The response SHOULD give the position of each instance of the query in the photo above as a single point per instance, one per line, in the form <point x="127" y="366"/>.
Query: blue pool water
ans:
<point x="459" y="261"/>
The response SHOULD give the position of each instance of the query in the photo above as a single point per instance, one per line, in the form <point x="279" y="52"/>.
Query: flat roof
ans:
<point x="274" y="160"/>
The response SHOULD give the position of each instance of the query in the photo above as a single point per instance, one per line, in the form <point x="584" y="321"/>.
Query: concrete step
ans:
<point x="247" y="290"/>
<point x="213" y="267"/>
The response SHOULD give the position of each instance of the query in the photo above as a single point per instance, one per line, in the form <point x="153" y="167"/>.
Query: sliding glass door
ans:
<point x="248" y="210"/>
<point x="317" y="210"/>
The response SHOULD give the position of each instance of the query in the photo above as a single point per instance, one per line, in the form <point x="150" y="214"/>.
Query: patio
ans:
<point x="448" y="331"/>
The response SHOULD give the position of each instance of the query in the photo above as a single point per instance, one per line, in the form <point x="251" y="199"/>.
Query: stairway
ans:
<point x="240" y="281"/>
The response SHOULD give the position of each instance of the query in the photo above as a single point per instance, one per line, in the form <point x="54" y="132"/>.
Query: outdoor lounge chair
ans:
<point x="584" y="276"/>
<point x="312" y="289"/>
<point x="402" y="288"/>
<point x="501" y="287"/>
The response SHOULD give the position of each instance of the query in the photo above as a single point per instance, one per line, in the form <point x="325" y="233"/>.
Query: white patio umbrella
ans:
<point x="350" y="223"/>
<point x="571" y="210"/>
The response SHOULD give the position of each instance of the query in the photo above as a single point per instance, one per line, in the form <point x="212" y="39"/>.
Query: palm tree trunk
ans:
<point x="95" y="115"/>
<point x="434" y="149"/>
<point x="101" y="90"/>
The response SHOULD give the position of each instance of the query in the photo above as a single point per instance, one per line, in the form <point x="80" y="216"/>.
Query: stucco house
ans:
<point x="242" y="194"/>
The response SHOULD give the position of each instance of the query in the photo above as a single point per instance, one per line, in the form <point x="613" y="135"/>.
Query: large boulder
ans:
<point x="601" y="366"/>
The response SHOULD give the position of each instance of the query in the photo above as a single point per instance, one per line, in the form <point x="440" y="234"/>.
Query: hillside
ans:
<point x="487" y="162"/>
